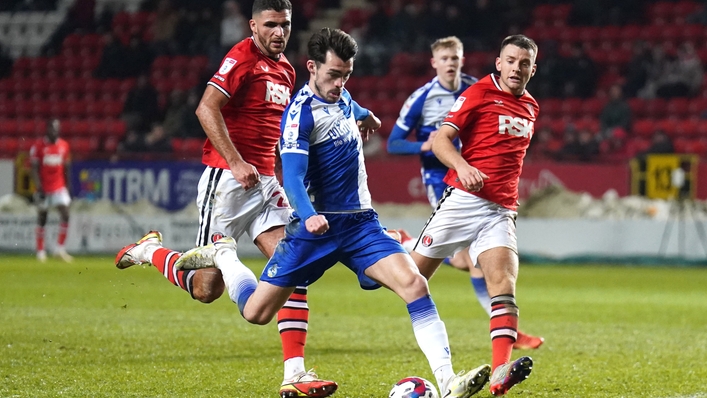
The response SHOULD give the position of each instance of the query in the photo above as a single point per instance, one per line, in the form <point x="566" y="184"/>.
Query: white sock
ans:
<point x="431" y="336"/>
<point x="293" y="366"/>
<point x="239" y="280"/>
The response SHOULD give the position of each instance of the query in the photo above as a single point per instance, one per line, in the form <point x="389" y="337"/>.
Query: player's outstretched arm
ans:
<point x="369" y="125"/>
<point x="209" y="114"/>
<point x="294" y="170"/>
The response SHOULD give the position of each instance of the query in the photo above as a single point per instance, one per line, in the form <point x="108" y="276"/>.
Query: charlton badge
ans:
<point x="426" y="240"/>
<point x="216" y="236"/>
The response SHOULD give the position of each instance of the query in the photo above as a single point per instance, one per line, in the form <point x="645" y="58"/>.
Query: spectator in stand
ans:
<point x="6" y="62"/>
<point x="163" y="28"/>
<point x="580" y="73"/>
<point x="176" y="109"/>
<point x="613" y="145"/>
<point x="138" y="57"/>
<point x="542" y="146"/>
<point x="547" y="82"/>
<point x="190" y="125"/>
<point x="586" y="12"/>
<point x="638" y="69"/>
<point x="141" y="106"/>
<point x="234" y="26"/>
<point x="579" y="146"/>
<point x="403" y="26"/>
<point x="659" y="65"/>
<point x="111" y="65"/>
<point x="155" y="140"/>
<point x="660" y="143"/>
<point x="683" y="76"/>
<point x="616" y="113"/>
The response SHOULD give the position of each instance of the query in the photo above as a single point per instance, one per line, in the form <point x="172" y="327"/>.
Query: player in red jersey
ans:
<point x="494" y="120"/>
<point x="50" y="158"/>
<point x="238" y="193"/>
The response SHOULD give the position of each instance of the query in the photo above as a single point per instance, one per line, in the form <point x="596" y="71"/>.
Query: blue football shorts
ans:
<point x="356" y="240"/>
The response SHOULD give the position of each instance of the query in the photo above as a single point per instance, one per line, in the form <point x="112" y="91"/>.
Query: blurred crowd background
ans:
<point x="615" y="80"/>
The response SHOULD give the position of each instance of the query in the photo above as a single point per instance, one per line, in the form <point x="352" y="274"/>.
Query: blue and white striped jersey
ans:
<point x="330" y="163"/>
<point x="423" y="112"/>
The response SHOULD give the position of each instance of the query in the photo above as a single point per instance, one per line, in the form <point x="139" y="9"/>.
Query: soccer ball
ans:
<point x="413" y="387"/>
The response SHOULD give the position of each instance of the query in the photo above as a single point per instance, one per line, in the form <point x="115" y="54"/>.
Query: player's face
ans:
<point x="517" y="66"/>
<point x="448" y="65"/>
<point x="328" y="79"/>
<point x="53" y="130"/>
<point x="271" y="30"/>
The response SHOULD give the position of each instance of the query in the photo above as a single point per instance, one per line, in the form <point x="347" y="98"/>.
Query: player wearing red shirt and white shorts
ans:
<point x="238" y="192"/>
<point x="494" y="120"/>
<point x="50" y="158"/>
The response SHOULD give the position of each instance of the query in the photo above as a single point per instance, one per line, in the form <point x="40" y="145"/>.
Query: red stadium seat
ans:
<point x="8" y="127"/>
<point x="655" y="108"/>
<point x="558" y="127"/>
<point x="571" y="107"/>
<point x="593" y="106"/>
<point x="7" y="109"/>
<point x="669" y="126"/>
<point x="643" y="128"/>
<point x="697" y="106"/>
<point x="550" y="107"/>
<point x="110" y="144"/>
<point x="9" y="145"/>
<point x="687" y="128"/>
<point x="84" y="145"/>
<point x="677" y="107"/>
<point x="116" y="128"/>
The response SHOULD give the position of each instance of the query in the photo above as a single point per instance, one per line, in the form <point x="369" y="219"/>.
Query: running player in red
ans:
<point x="50" y="168"/>
<point x="494" y="121"/>
<point x="238" y="193"/>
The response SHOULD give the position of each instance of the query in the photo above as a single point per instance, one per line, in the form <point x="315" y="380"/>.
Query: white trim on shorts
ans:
<point x="463" y="220"/>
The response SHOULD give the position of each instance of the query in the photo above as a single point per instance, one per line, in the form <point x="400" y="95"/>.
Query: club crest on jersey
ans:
<point x="427" y="240"/>
<point x="227" y="65"/>
<point x="530" y="109"/>
<point x="216" y="236"/>
<point x="458" y="104"/>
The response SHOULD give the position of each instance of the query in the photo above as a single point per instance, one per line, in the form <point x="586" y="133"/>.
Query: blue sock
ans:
<point x="482" y="294"/>
<point x="245" y="289"/>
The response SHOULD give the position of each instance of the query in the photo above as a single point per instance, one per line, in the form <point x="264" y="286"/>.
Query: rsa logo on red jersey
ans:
<point x="516" y="126"/>
<point x="277" y="93"/>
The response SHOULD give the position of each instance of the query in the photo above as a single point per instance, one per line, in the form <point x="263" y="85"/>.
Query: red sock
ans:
<point x="40" y="238"/>
<point x="63" y="229"/>
<point x="163" y="260"/>
<point x="292" y="322"/>
<point x="504" y="328"/>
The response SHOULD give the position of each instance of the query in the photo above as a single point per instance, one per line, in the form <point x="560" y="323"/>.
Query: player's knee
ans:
<point x="414" y="288"/>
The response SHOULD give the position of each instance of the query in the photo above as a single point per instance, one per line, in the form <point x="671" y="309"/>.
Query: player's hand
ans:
<point x="368" y="126"/>
<point x="246" y="174"/>
<point x="427" y="145"/>
<point x="471" y="178"/>
<point x="317" y="224"/>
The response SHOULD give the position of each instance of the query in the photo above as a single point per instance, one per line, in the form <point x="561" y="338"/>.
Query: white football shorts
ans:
<point x="226" y="209"/>
<point x="464" y="220"/>
<point x="60" y="197"/>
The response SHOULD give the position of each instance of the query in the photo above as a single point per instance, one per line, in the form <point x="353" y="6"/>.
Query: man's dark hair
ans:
<point x="336" y="40"/>
<point x="521" y="41"/>
<point x="275" y="5"/>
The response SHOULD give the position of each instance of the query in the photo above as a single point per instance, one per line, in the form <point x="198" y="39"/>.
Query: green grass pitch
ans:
<point x="89" y="330"/>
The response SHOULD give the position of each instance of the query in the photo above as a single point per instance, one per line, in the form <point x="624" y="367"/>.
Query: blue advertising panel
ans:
<point x="169" y="185"/>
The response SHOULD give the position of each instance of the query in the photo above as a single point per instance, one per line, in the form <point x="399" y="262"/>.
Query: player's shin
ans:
<point x="503" y="328"/>
<point x="292" y="322"/>
<point x="431" y="336"/>
<point x="239" y="280"/>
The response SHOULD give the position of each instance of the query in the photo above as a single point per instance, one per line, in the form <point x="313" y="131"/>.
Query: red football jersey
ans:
<point x="495" y="128"/>
<point x="51" y="159"/>
<point x="258" y="88"/>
